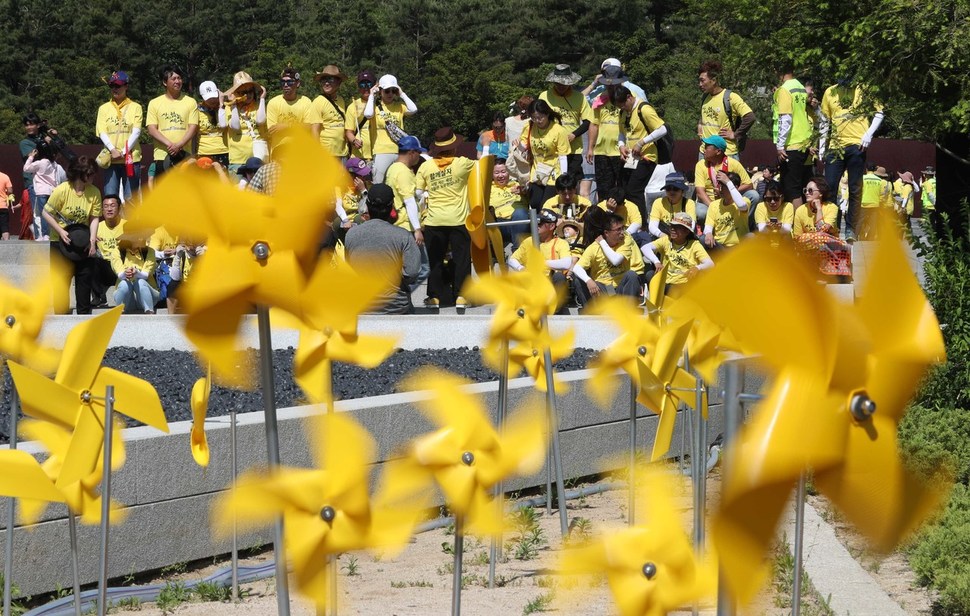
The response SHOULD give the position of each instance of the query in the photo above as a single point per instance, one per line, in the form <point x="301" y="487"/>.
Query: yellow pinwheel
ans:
<point x="635" y="347"/>
<point x="83" y="497"/>
<point x="651" y="568"/>
<point x="260" y="248"/>
<point x="199" y="401"/>
<point x="521" y="299"/>
<point x="326" y="510"/>
<point x="466" y="456"/>
<point x="21" y="319"/>
<point x="663" y="383"/>
<point x="74" y="399"/>
<point x="656" y="294"/>
<point x="529" y="355"/>
<point x="328" y="331"/>
<point x="843" y="377"/>
<point x="21" y="476"/>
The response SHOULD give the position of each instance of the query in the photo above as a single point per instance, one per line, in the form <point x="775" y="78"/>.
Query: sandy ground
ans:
<point x="419" y="581"/>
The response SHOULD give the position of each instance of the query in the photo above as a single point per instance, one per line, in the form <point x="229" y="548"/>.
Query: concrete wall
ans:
<point x="168" y="497"/>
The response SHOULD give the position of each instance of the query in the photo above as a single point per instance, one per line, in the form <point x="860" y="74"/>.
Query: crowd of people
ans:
<point x="595" y="165"/>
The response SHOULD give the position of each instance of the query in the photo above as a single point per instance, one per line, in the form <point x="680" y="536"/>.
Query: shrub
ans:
<point x="940" y="554"/>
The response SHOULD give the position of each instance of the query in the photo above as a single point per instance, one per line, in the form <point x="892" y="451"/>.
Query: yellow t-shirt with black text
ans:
<point x="402" y="181"/>
<point x="240" y="141"/>
<point x="289" y="113"/>
<point x="848" y="113"/>
<point x="67" y="207"/>
<point x="714" y="117"/>
<point x="212" y="139"/>
<point x="363" y="127"/>
<point x="627" y="210"/>
<point x="383" y="144"/>
<point x="679" y="259"/>
<point x="702" y="174"/>
<point x="574" y="108"/>
<point x="332" y="116"/>
<point x="579" y="206"/>
<point x="663" y="211"/>
<point x="607" y="119"/>
<point x="556" y="248"/>
<point x="173" y="118"/>
<point x="118" y="123"/>
<point x="447" y="186"/>
<point x="600" y="269"/>
<point x="503" y="200"/>
<point x="547" y="146"/>
<point x="805" y="218"/>
<point x="635" y="128"/>
<point x="785" y="214"/>
<point x="729" y="223"/>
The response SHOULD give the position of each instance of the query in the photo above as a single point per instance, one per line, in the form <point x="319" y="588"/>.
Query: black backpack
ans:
<point x="665" y="145"/>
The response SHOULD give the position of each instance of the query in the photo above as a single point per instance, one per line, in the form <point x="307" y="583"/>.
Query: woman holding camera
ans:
<point x="386" y="108"/>
<point x="72" y="213"/>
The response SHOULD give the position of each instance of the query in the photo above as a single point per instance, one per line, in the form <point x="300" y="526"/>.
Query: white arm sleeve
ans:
<point x="412" y="209"/>
<point x="823" y="132"/>
<point x="786" y="227"/>
<point x="876" y="123"/>
<point x="515" y="265"/>
<point x="611" y="255"/>
<point x="738" y="199"/>
<point x="133" y="139"/>
<point x="654" y="227"/>
<point x="559" y="264"/>
<point x="649" y="254"/>
<point x="234" y="118"/>
<point x="705" y="264"/>
<point x="580" y="273"/>
<point x="106" y="140"/>
<point x="409" y="105"/>
<point x="657" y="134"/>
<point x="369" y="107"/>
<point x="222" y="117"/>
<point x="762" y="225"/>
<point x="563" y="163"/>
<point x="261" y="112"/>
<point x="634" y="227"/>
<point x="708" y="228"/>
<point x="784" y="126"/>
<point x="341" y="212"/>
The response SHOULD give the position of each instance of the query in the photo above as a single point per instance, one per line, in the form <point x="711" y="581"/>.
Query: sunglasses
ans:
<point x="774" y="198"/>
<point x="328" y="79"/>
<point x="365" y="84"/>
<point x="115" y="86"/>
<point x="391" y="90"/>
<point x="809" y="191"/>
<point x="287" y="82"/>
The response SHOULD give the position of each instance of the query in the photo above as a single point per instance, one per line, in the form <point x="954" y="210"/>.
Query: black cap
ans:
<point x="380" y="194"/>
<point x="547" y="215"/>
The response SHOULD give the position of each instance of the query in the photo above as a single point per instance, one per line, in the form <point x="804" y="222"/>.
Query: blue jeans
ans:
<point x="136" y="296"/>
<point x="115" y="176"/>
<point x="853" y="161"/>
<point x="40" y="227"/>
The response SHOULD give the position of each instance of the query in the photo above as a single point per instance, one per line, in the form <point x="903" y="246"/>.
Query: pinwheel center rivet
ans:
<point x="535" y="352"/>
<point x="521" y="313"/>
<point x="642" y="351"/>
<point x="10" y="320"/>
<point x="261" y="251"/>
<point x="467" y="458"/>
<point x="862" y="406"/>
<point x="327" y="514"/>
<point x="649" y="570"/>
<point x="86" y="397"/>
<point x="327" y="331"/>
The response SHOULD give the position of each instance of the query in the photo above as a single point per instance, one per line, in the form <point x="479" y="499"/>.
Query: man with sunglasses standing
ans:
<point x="119" y="126"/>
<point x="357" y="130"/>
<point x="290" y="108"/>
<point x="331" y="111"/>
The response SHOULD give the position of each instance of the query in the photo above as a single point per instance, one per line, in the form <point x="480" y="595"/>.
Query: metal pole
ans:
<point x="796" y="599"/>
<point x="551" y="407"/>
<point x="701" y="504"/>
<point x="495" y="551"/>
<point x="732" y="422"/>
<point x="72" y="530"/>
<point x="456" y="577"/>
<point x="332" y="591"/>
<point x="11" y="511"/>
<point x="109" y="407"/>
<point x="632" y="502"/>
<point x="273" y="450"/>
<point x="235" y="535"/>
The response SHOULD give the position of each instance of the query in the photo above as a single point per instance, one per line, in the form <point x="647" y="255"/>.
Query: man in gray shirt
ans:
<point x="377" y="246"/>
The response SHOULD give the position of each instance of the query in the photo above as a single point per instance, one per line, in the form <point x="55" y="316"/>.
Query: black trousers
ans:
<point x="437" y="240"/>
<point x="637" y="184"/>
<point x="609" y="174"/>
<point x="103" y="277"/>
<point x="539" y="194"/>
<point x="62" y="270"/>
<point x="574" y="166"/>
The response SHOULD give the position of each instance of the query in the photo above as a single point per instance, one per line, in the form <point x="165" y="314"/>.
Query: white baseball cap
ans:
<point x="611" y="62"/>
<point x="207" y="90"/>
<point x="388" y="81"/>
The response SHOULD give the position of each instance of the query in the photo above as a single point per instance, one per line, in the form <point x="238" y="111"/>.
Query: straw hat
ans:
<point x="241" y="82"/>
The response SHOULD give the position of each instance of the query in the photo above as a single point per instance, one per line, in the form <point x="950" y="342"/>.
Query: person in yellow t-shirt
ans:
<point x="574" y="112"/>
<point x="212" y="138"/>
<point x="567" y="203"/>
<point x="727" y="217"/>
<point x="612" y="264"/>
<point x="290" y="108"/>
<point x="554" y="250"/>
<point x="604" y="133"/>
<point x="905" y="193"/>
<point x="443" y="180"/>
<point x="616" y="203"/>
<point x="73" y="208"/>
<point x="119" y="126"/>
<point x="705" y="175"/>
<point x="714" y="120"/>
<point x="122" y="264"/>
<point x="680" y="252"/>
<point x="505" y="198"/>
<point x="547" y="142"/>
<point x="664" y="208"/>
<point x="247" y="135"/>
<point x="330" y="108"/>
<point x="172" y="121"/>
<point x="818" y="213"/>
<point x="845" y="135"/>
<point x="640" y="128"/>
<point x="386" y="108"/>
<point x="774" y="214"/>
<point x="359" y="132"/>
<point x="400" y="178"/>
<point x="876" y="193"/>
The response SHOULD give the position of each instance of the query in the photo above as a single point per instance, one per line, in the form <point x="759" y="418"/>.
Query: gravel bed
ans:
<point x="174" y="372"/>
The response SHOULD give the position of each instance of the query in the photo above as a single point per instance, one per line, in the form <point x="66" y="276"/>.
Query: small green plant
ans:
<point x="173" y="595"/>
<point x="480" y="558"/>
<point x="351" y="568"/>
<point x="446" y="569"/>
<point x="530" y="538"/>
<point x="580" y="529"/>
<point x="15" y="608"/>
<point x="412" y="584"/>
<point x="128" y="604"/>
<point x="212" y="591"/>
<point x="175" y="569"/>
<point x="541" y="603"/>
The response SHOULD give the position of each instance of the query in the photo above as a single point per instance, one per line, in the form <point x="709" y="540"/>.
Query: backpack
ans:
<point x="741" y="141"/>
<point x="665" y="145"/>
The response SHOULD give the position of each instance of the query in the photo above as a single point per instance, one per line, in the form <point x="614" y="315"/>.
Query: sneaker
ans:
<point x="850" y="237"/>
<point x="431" y="302"/>
<point x="461" y="302"/>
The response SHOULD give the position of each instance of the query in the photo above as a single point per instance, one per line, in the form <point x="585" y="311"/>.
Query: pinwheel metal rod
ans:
<point x="458" y="562"/>
<point x="72" y="531"/>
<point x="273" y="450"/>
<point x="796" y="590"/>
<point x="235" y="536"/>
<point x="11" y="512"/>
<point x="551" y="407"/>
<point x="495" y="550"/>
<point x="632" y="496"/>
<point x="109" y="408"/>
<point x="732" y="424"/>
<point x="700" y="507"/>
<point x="506" y="223"/>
